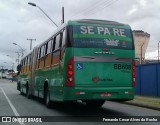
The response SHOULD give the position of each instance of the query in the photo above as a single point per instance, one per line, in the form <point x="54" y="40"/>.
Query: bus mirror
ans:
<point x="19" y="67"/>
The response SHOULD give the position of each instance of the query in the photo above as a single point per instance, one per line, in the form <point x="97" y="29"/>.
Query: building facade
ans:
<point x="141" y="40"/>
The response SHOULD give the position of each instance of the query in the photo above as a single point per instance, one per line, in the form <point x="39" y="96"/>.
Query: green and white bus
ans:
<point x="87" y="60"/>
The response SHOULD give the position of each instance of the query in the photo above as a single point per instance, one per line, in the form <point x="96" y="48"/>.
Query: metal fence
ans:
<point x="148" y="79"/>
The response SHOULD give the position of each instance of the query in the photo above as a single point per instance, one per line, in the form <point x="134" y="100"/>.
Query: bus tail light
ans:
<point x="133" y="73"/>
<point x="70" y="72"/>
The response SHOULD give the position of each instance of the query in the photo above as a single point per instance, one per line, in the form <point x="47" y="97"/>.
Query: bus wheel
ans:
<point x="95" y="103"/>
<point x="28" y="91"/>
<point x="47" y="98"/>
<point x="18" y="86"/>
<point x="21" y="91"/>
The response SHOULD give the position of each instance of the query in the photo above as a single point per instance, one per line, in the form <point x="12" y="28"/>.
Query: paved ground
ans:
<point x="14" y="104"/>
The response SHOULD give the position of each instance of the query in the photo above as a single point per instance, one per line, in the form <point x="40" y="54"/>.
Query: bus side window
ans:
<point x="49" y="46"/>
<point x="38" y="57"/>
<point x="53" y="44"/>
<point x="63" y="44"/>
<point x="47" y="61"/>
<point x="53" y="48"/>
<point x="41" y="60"/>
<point x="45" y="48"/>
<point x="64" y="39"/>
<point x="38" y="54"/>
<point x="56" y="50"/>
<point x="42" y="51"/>
<point x="30" y="62"/>
<point x="60" y="40"/>
<point x="24" y="64"/>
<point x="60" y="45"/>
<point x="57" y="42"/>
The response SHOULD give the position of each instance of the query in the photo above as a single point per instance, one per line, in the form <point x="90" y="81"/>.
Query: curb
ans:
<point x="142" y="105"/>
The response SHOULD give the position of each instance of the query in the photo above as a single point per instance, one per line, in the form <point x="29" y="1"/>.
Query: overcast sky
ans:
<point x="19" y="21"/>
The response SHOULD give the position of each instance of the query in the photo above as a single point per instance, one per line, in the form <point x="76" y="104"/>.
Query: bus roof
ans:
<point x="94" y="21"/>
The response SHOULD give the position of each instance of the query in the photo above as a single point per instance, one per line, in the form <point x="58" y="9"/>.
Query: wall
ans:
<point x="148" y="79"/>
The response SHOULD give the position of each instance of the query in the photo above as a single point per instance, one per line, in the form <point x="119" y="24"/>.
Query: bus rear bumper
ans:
<point x="103" y="93"/>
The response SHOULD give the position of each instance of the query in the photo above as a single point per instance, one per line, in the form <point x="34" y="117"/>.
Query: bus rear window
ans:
<point x="102" y="37"/>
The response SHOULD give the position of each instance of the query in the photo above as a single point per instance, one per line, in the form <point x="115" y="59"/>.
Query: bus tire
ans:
<point x="20" y="90"/>
<point x="95" y="103"/>
<point x="28" y="91"/>
<point x="47" y="98"/>
<point x="18" y="86"/>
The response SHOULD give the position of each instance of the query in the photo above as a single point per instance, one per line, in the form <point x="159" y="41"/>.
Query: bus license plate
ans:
<point x="105" y="94"/>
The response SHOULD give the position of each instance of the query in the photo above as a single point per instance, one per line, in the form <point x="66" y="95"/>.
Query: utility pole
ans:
<point x="31" y="43"/>
<point x="18" y="56"/>
<point x="62" y="15"/>
<point x="141" y="53"/>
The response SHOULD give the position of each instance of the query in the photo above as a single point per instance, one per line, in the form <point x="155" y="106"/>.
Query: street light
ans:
<point x="20" y="48"/>
<point x="33" y="4"/>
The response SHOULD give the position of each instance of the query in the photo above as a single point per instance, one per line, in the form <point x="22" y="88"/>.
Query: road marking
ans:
<point x="12" y="106"/>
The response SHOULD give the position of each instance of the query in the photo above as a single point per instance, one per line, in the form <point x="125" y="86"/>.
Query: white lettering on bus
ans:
<point x="110" y="42"/>
<point x="122" y="33"/>
<point x="87" y="29"/>
<point x="102" y="30"/>
<point x="118" y="32"/>
<point x="83" y="30"/>
<point x="90" y="29"/>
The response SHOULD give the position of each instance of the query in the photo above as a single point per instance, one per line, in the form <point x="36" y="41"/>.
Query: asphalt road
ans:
<point x="14" y="104"/>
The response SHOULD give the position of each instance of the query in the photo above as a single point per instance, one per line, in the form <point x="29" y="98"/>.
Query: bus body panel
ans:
<point x="102" y="71"/>
<point x="98" y="93"/>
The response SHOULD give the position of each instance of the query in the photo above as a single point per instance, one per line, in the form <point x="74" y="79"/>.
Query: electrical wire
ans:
<point x="94" y="9"/>
<point x="100" y="9"/>
<point x="93" y="5"/>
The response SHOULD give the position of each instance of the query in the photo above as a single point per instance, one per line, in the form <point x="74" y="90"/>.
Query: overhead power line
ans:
<point x="94" y="8"/>
<point x="93" y="5"/>
<point x="101" y="8"/>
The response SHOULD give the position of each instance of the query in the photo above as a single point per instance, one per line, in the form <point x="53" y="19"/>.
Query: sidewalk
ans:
<point x="7" y="81"/>
<point x="147" y="102"/>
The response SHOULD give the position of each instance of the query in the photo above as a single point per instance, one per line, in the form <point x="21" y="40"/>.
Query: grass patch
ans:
<point x="149" y="101"/>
